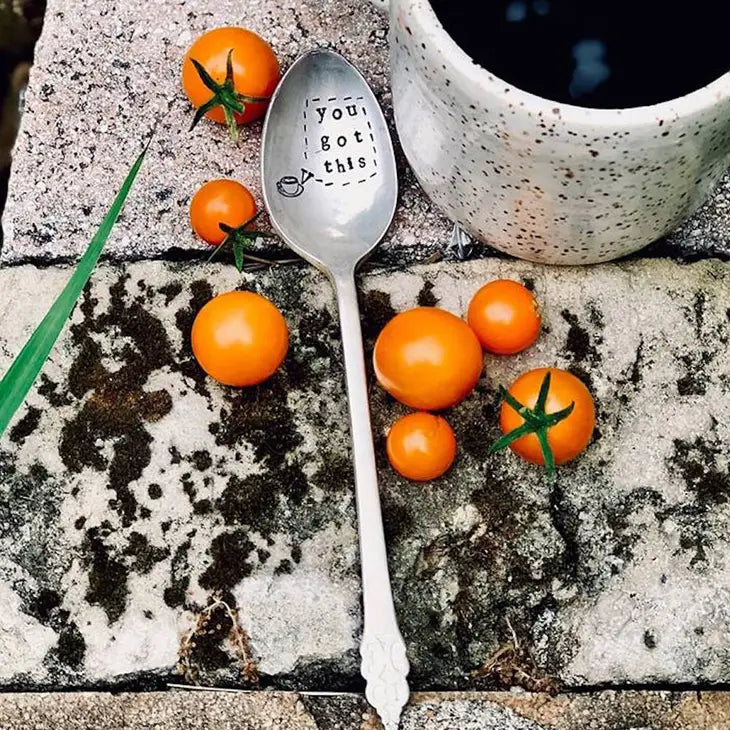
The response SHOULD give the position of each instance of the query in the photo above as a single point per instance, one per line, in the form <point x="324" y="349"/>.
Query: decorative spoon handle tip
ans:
<point x="385" y="668"/>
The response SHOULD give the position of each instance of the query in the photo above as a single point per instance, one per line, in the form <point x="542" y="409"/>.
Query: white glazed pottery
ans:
<point x="544" y="181"/>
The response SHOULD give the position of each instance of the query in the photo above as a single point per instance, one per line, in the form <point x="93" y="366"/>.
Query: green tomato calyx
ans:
<point x="224" y="95"/>
<point x="537" y="421"/>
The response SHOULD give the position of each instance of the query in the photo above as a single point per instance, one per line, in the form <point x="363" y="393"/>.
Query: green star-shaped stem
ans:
<point x="536" y="421"/>
<point x="240" y="239"/>
<point x="224" y="95"/>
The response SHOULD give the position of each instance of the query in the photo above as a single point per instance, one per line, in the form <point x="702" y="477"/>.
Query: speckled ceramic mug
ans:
<point x="548" y="182"/>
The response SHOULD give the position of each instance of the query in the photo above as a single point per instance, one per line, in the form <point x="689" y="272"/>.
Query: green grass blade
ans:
<point x="27" y="365"/>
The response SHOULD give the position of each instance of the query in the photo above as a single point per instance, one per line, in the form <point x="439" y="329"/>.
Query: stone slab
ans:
<point x="134" y="492"/>
<point x="434" y="711"/>
<point x="107" y="70"/>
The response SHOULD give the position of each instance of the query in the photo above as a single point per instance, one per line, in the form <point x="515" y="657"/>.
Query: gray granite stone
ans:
<point x="438" y="711"/>
<point x="708" y="231"/>
<point x="106" y="71"/>
<point x="134" y="492"/>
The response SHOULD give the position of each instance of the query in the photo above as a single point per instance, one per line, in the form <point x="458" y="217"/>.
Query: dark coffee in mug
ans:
<point x="595" y="53"/>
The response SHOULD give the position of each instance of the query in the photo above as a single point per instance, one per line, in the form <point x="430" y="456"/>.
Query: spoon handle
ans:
<point x="384" y="664"/>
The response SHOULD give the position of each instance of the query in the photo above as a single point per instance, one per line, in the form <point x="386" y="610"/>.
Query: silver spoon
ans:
<point x="330" y="186"/>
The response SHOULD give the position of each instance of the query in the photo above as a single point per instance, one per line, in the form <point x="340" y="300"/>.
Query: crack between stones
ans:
<point x="168" y="684"/>
<point x="385" y="258"/>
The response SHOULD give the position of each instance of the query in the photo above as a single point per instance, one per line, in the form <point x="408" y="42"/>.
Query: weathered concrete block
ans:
<point x="134" y="491"/>
<point x="140" y="469"/>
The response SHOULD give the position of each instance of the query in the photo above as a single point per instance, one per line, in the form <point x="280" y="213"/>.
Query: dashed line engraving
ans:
<point x="306" y="139"/>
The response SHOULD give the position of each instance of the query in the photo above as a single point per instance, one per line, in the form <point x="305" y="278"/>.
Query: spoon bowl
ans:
<point x="330" y="182"/>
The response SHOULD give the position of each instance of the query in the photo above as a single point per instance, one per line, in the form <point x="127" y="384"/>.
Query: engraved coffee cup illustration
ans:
<point x="291" y="187"/>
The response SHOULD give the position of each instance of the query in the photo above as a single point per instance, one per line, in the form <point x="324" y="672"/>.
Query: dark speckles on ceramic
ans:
<point x="550" y="183"/>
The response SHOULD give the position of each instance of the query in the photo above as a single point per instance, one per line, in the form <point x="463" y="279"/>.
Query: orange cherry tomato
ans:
<point x="569" y="437"/>
<point x="421" y="446"/>
<point x="504" y="316"/>
<point x="220" y="201"/>
<point x="255" y="70"/>
<point x="239" y="338"/>
<point x="427" y="358"/>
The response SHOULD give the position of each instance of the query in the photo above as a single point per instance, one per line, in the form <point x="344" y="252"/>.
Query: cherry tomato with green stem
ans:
<point x="547" y="417"/>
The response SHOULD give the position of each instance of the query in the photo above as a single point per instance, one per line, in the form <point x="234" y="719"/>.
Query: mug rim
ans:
<point x="694" y="102"/>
